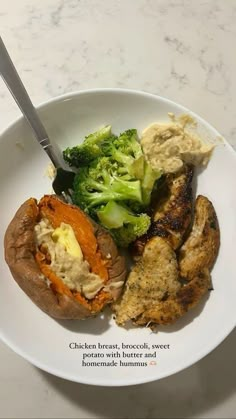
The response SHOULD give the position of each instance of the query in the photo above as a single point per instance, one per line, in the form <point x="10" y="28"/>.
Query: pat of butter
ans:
<point x="65" y="235"/>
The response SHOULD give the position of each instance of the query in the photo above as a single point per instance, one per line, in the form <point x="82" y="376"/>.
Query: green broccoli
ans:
<point x="150" y="176"/>
<point x="114" y="182"/>
<point x="99" y="183"/>
<point x="128" y="143"/>
<point x="124" y="150"/>
<point x="122" y="161"/>
<point x="127" y="153"/>
<point x="123" y="224"/>
<point x="83" y="154"/>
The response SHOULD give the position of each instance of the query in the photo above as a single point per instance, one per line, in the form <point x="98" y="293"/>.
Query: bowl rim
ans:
<point x="205" y="351"/>
<point x="75" y="93"/>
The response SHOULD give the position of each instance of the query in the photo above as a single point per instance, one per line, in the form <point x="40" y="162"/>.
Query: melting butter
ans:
<point x="66" y="237"/>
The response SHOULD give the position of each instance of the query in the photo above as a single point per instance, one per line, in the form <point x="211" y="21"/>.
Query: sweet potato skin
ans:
<point x="20" y="249"/>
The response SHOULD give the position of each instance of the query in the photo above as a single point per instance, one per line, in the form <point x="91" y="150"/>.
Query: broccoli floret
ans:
<point x="123" y="161"/>
<point x="129" y="232"/>
<point x="150" y="176"/>
<point x="140" y="169"/>
<point x="137" y="168"/>
<point x="125" y="150"/>
<point x="83" y="154"/>
<point x="123" y="224"/>
<point x="99" y="184"/>
<point x="128" y="143"/>
<point x="114" y="182"/>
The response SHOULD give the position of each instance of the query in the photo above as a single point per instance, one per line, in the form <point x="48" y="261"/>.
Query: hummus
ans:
<point x="167" y="146"/>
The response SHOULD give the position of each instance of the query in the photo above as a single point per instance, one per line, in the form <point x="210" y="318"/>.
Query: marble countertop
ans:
<point x="180" y="49"/>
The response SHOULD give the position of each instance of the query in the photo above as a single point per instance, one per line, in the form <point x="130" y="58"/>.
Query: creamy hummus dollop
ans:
<point x="167" y="146"/>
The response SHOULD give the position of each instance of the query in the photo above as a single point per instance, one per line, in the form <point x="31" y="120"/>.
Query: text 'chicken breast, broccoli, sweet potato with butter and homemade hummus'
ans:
<point x="129" y="194"/>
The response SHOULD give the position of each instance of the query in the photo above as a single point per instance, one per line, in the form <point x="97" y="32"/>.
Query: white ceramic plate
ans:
<point x="46" y="342"/>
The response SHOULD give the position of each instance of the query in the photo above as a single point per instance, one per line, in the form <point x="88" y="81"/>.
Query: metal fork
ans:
<point x="63" y="180"/>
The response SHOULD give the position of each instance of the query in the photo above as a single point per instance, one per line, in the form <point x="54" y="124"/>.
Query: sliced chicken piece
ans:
<point x="153" y="277"/>
<point x="168" y="311"/>
<point x="201" y="247"/>
<point x="172" y="215"/>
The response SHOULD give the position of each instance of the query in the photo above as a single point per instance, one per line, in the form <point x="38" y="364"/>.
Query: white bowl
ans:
<point x="46" y="342"/>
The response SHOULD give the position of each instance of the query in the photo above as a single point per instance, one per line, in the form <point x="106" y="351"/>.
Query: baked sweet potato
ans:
<point x="30" y="262"/>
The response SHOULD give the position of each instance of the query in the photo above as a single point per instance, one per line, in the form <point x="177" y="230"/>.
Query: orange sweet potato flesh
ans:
<point x="56" y="211"/>
<point x="58" y="286"/>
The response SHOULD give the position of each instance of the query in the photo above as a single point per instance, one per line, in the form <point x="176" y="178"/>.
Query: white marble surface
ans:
<point x="181" y="49"/>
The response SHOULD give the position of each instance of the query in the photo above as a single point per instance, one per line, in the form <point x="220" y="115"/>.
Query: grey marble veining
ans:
<point x="181" y="49"/>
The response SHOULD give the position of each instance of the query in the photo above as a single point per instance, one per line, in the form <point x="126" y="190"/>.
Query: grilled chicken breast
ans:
<point x="168" y="311"/>
<point x="171" y="216"/>
<point x="201" y="247"/>
<point x="159" y="268"/>
<point x="153" y="277"/>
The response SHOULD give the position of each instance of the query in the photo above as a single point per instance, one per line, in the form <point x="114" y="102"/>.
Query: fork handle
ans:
<point x="19" y="93"/>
